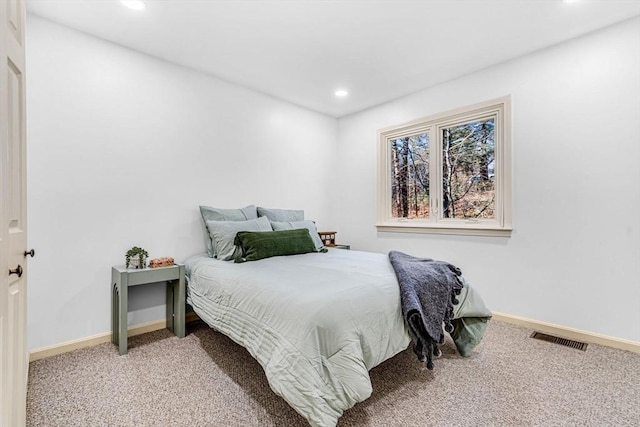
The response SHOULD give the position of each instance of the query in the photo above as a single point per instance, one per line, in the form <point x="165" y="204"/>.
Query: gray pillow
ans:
<point x="308" y="224"/>
<point x="216" y="214"/>
<point x="281" y="214"/>
<point x="223" y="234"/>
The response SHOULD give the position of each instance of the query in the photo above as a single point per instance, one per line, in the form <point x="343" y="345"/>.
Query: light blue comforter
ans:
<point x="317" y="323"/>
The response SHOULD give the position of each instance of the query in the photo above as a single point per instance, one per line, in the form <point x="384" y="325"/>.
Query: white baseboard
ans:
<point x="143" y="328"/>
<point x="549" y="328"/>
<point x="571" y="333"/>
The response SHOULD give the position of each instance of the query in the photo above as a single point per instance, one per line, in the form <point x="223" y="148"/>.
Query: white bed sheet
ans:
<point x="317" y="323"/>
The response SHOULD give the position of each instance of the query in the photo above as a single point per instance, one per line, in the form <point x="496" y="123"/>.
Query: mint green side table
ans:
<point x="122" y="278"/>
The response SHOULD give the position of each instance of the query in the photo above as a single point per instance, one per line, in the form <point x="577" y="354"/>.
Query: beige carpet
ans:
<point x="205" y="379"/>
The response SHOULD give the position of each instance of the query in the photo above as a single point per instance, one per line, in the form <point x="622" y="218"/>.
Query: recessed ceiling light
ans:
<point x="571" y="1"/>
<point x="133" y="4"/>
<point x="341" y="93"/>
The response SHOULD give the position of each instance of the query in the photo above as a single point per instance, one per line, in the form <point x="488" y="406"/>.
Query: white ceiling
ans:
<point x="302" y="51"/>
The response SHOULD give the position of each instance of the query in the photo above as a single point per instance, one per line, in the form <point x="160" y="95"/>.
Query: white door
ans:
<point x="13" y="216"/>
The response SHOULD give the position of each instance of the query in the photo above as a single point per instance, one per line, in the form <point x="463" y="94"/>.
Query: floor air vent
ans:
<point x="562" y="341"/>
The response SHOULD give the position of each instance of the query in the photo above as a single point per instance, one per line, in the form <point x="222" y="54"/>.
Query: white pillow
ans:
<point x="223" y="234"/>
<point x="308" y="224"/>
<point x="217" y="214"/>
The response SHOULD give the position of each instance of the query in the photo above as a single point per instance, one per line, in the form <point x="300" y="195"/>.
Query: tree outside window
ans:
<point x="449" y="173"/>
<point x="410" y="176"/>
<point x="468" y="186"/>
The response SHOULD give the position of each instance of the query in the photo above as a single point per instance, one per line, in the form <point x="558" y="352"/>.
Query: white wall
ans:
<point x="574" y="256"/>
<point x="122" y="148"/>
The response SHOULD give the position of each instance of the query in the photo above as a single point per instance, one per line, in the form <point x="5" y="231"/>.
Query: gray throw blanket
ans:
<point x="428" y="290"/>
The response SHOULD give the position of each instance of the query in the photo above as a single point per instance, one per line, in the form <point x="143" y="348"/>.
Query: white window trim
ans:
<point x="501" y="225"/>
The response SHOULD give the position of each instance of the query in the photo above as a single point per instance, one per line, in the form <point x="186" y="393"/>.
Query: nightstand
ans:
<point x="122" y="278"/>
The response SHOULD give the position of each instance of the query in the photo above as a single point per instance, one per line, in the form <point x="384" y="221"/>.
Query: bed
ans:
<point x="316" y="322"/>
<point x="316" y="319"/>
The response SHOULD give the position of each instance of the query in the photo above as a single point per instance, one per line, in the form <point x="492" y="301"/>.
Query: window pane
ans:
<point x="468" y="170"/>
<point x="410" y="177"/>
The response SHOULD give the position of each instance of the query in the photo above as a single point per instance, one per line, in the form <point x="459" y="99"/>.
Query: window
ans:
<point x="449" y="173"/>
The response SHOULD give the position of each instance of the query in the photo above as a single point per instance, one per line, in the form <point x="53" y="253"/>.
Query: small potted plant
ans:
<point x="136" y="258"/>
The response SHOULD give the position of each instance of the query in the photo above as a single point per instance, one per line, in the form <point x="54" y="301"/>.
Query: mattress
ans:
<point x="316" y="322"/>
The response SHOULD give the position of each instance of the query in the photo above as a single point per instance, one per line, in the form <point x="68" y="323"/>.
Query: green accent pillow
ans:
<point x="308" y="224"/>
<point x="255" y="245"/>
